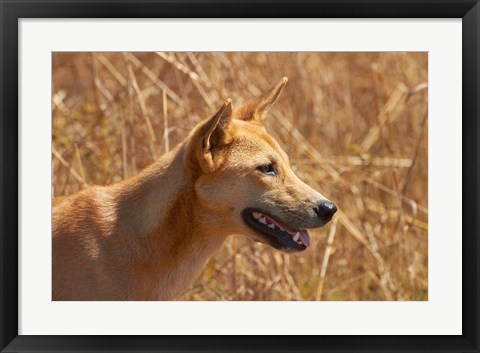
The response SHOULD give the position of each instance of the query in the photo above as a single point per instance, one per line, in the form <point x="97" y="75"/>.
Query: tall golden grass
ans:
<point x="354" y="125"/>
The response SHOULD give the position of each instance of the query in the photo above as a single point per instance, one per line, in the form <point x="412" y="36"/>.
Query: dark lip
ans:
<point x="327" y="219"/>
<point x="277" y="239"/>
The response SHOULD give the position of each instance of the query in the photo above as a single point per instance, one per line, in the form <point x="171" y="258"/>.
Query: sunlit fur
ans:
<point x="148" y="237"/>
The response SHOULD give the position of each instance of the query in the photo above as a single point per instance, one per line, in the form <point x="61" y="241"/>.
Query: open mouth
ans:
<point x="276" y="233"/>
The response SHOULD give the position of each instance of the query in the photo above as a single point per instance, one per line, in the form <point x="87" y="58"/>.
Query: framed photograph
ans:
<point x="235" y="176"/>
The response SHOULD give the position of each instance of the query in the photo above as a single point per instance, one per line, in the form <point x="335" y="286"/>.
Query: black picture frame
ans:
<point x="11" y="11"/>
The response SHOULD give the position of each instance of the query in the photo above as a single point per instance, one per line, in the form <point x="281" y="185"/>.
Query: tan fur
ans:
<point x="148" y="237"/>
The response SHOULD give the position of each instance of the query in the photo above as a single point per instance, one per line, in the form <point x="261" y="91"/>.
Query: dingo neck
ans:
<point x="159" y="216"/>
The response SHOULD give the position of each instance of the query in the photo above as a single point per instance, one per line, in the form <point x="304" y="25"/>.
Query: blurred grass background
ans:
<point x="354" y="125"/>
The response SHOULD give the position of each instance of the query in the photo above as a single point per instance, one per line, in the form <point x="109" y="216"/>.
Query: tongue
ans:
<point x="303" y="233"/>
<point x="305" y="237"/>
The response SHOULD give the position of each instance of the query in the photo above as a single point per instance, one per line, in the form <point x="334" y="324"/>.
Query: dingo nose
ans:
<point x="326" y="209"/>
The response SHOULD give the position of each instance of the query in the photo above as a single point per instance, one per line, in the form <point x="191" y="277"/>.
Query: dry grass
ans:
<point x="354" y="125"/>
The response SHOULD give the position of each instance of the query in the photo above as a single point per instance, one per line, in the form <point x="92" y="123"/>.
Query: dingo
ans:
<point x="148" y="237"/>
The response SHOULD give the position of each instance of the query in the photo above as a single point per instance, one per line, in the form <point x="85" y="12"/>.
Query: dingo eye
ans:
<point x="268" y="169"/>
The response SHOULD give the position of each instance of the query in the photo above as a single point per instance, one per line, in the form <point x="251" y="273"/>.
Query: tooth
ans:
<point x="296" y="237"/>
<point x="280" y="227"/>
<point x="271" y="225"/>
<point x="256" y="215"/>
<point x="263" y="220"/>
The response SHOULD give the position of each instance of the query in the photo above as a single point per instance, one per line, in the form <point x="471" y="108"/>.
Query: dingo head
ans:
<point x="244" y="180"/>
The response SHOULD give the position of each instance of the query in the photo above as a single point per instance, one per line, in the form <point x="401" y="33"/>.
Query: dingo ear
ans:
<point x="257" y="108"/>
<point x="216" y="132"/>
